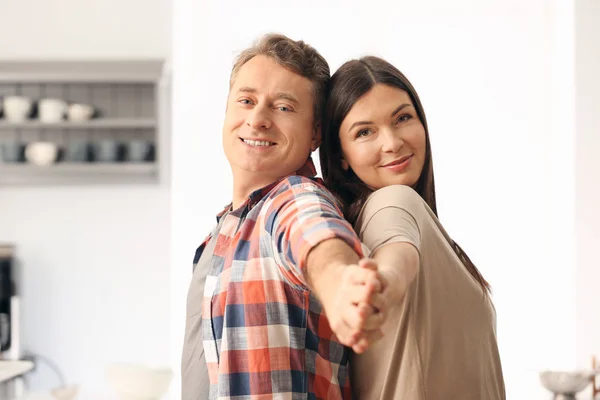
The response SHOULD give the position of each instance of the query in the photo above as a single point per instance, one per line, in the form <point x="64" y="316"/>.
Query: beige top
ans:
<point x="440" y="342"/>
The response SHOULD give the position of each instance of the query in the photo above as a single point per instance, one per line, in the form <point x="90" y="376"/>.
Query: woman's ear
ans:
<point x="345" y="165"/>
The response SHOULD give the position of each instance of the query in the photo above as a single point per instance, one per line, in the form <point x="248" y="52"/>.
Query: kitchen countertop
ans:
<point x="38" y="396"/>
<point x="81" y="396"/>
<point x="48" y="396"/>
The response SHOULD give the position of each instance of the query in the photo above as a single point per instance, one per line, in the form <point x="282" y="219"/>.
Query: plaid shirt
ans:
<point x="265" y="334"/>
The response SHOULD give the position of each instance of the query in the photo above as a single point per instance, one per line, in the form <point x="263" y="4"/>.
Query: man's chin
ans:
<point x="266" y="172"/>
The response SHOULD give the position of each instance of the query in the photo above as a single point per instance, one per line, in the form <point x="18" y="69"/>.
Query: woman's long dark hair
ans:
<point x="350" y="82"/>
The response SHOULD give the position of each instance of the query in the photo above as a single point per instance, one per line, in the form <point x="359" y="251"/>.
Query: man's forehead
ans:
<point x="265" y="75"/>
<point x="289" y="96"/>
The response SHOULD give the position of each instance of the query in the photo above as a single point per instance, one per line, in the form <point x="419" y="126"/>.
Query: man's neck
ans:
<point x="243" y="186"/>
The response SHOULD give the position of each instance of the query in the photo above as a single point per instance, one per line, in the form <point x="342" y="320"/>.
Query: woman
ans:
<point x="439" y="339"/>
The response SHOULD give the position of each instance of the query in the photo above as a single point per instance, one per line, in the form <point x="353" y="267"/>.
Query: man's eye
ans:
<point x="284" y="109"/>
<point x="245" y="101"/>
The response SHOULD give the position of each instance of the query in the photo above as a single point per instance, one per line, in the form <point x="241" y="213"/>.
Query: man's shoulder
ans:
<point x="298" y="184"/>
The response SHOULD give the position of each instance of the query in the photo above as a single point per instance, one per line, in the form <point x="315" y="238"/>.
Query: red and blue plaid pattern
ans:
<point x="265" y="334"/>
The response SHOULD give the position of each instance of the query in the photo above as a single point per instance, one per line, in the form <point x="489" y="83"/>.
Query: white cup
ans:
<point x="41" y="153"/>
<point x="52" y="110"/>
<point x="80" y="112"/>
<point x="17" y="108"/>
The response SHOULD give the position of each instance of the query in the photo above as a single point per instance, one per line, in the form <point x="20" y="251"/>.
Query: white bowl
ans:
<point x="41" y="153"/>
<point x="139" y="382"/>
<point x="65" y="392"/>
<point x="569" y="383"/>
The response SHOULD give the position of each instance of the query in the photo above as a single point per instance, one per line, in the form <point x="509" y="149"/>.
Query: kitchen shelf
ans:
<point x="115" y="71"/>
<point x="77" y="173"/>
<point x="131" y="101"/>
<point x="105" y="123"/>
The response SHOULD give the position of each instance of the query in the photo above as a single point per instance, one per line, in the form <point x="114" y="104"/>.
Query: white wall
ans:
<point x="587" y="49"/>
<point x="491" y="76"/>
<point x="84" y="28"/>
<point x="95" y="260"/>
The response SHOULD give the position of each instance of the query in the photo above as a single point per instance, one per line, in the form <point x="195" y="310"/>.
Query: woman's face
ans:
<point x="383" y="139"/>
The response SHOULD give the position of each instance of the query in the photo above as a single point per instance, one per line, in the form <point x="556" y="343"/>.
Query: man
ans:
<point x="276" y="291"/>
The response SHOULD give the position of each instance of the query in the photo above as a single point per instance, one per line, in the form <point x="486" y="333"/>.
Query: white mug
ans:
<point x="17" y="108"/>
<point x="80" y="112"/>
<point x="52" y="110"/>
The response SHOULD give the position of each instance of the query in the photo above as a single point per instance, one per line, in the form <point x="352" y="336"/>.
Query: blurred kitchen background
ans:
<point x="104" y="220"/>
<point x="91" y="239"/>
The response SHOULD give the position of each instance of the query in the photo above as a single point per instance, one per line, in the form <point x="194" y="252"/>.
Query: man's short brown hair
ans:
<point x="296" y="56"/>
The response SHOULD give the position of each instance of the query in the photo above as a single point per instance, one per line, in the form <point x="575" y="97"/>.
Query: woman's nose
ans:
<point x="392" y="142"/>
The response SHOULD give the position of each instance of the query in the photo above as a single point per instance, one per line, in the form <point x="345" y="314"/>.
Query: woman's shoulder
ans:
<point x="400" y="196"/>
<point x="396" y="190"/>
<point x="394" y="196"/>
<point x="390" y="211"/>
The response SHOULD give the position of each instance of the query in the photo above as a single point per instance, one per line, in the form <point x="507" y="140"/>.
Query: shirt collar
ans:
<point x="308" y="170"/>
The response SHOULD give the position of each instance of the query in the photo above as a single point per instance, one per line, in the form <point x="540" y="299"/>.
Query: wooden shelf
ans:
<point x="108" y="123"/>
<point x="78" y="173"/>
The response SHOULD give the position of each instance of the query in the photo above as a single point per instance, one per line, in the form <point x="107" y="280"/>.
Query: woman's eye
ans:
<point x="363" y="133"/>
<point x="403" y="118"/>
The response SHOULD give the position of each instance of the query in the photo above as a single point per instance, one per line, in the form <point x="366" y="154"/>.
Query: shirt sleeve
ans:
<point x="299" y="217"/>
<point x="390" y="215"/>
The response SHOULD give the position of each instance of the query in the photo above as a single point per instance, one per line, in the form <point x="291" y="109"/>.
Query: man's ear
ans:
<point x="316" y="139"/>
<point x="227" y="101"/>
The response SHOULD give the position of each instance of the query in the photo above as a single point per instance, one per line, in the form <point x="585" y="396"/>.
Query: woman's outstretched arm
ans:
<point x="398" y="264"/>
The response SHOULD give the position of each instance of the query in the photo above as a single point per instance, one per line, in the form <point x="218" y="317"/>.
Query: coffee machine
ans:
<point x="10" y="345"/>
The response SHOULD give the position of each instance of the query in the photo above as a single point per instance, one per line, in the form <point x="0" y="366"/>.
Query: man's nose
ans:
<point x="259" y="119"/>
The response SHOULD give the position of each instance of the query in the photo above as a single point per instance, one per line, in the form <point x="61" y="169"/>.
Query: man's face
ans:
<point x="269" y="127"/>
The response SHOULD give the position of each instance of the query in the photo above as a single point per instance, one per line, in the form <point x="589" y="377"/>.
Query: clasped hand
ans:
<point x="357" y="311"/>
